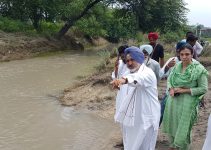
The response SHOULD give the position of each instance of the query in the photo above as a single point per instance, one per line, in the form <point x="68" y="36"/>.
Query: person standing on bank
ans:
<point x="120" y="70"/>
<point x="158" y="50"/>
<point x="192" y="39"/>
<point x="151" y="63"/>
<point x="187" y="84"/>
<point x="139" y="112"/>
<point x="197" y="47"/>
<point x="120" y="65"/>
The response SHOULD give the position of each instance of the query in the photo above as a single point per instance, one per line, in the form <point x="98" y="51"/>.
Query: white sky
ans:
<point x="199" y="12"/>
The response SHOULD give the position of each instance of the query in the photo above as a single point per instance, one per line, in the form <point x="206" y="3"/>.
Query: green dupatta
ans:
<point x="192" y="72"/>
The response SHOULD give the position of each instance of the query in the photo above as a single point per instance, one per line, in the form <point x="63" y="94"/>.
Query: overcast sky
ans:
<point x="199" y="12"/>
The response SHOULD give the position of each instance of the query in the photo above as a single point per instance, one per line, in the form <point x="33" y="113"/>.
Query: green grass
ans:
<point x="208" y="39"/>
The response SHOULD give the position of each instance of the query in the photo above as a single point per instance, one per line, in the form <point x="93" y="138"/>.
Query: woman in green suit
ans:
<point x="187" y="84"/>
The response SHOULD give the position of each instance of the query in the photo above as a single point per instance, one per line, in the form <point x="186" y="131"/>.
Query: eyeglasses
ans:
<point x="128" y="60"/>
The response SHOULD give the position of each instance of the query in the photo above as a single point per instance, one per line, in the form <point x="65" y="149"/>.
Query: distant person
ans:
<point x="191" y="39"/>
<point x="187" y="84"/>
<point x="197" y="47"/>
<point x="158" y="51"/>
<point x="120" y="64"/>
<point x="151" y="63"/>
<point x="139" y="112"/>
<point x="207" y="143"/>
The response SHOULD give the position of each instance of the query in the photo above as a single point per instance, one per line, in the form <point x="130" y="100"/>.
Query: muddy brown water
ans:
<point x="31" y="118"/>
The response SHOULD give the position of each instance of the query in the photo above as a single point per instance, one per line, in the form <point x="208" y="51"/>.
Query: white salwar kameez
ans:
<point x="139" y="112"/>
<point x="207" y="143"/>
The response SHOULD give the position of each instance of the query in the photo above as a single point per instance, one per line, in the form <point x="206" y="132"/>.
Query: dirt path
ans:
<point x="95" y="94"/>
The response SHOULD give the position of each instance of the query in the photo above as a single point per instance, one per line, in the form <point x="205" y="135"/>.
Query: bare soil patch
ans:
<point x="15" y="46"/>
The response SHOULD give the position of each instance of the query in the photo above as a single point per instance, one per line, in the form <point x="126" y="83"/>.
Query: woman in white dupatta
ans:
<point x="139" y="112"/>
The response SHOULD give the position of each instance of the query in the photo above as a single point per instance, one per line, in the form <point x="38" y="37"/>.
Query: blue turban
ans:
<point x="135" y="53"/>
<point x="180" y="44"/>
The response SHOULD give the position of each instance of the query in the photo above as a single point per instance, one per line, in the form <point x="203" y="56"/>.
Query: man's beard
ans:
<point x="134" y="69"/>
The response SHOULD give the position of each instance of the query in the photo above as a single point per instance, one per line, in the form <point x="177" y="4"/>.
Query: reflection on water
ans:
<point x="30" y="116"/>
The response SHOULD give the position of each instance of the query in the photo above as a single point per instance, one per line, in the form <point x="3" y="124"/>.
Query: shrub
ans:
<point x="105" y="55"/>
<point x="49" y="28"/>
<point x="141" y="38"/>
<point x="170" y="37"/>
<point x="9" y="25"/>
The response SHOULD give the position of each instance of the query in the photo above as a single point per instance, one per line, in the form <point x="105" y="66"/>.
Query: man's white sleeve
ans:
<point x="198" y="48"/>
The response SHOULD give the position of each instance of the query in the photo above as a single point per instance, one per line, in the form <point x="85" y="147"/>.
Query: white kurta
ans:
<point x="122" y="70"/>
<point x="207" y="143"/>
<point x="198" y="48"/>
<point x="142" y="134"/>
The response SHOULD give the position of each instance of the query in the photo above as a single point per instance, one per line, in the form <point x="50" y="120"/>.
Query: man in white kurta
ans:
<point x="197" y="47"/>
<point x="207" y="143"/>
<point x="139" y="112"/>
<point x="119" y="71"/>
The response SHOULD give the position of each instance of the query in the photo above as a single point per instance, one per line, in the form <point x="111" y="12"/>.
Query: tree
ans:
<point x="163" y="15"/>
<point x="13" y="9"/>
<point x="153" y="15"/>
<point x="35" y="10"/>
<point x="71" y="20"/>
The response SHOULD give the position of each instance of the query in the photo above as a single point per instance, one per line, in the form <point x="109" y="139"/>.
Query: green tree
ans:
<point x="119" y="20"/>
<point x="163" y="15"/>
<point x="108" y="22"/>
<point x="74" y="17"/>
<point x="34" y="10"/>
<point x="121" y="25"/>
